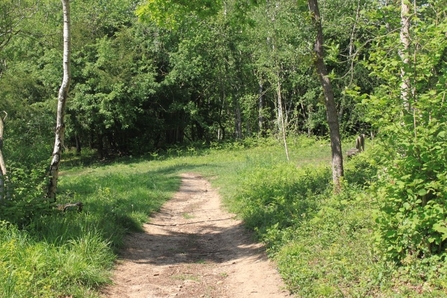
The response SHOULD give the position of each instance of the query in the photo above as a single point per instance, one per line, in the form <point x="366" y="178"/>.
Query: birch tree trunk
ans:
<point x="331" y="109"/>
<point x="404" y="53"/>
<point x="3" y="182"/>
<point x="261" y="109"/>
<point x="61" y="103"/>
<point x="281" y="120"/>
<point x="237" y="118"/>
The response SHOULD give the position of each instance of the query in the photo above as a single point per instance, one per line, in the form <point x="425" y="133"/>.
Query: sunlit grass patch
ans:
<point x="30" y="268"/>
<point x="71" y="254"/>
<point x="331" y="254"/>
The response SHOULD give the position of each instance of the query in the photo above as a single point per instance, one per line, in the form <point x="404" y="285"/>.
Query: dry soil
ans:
<point x="194" y="248"/>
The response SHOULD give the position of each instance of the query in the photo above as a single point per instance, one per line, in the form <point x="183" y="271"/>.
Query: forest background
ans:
<point x="151" y="78"/>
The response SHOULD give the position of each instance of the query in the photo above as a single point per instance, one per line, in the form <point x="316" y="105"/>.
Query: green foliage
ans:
<point x="70" y="254"/>
<point x="411" y="186"/>
<point x="331" y="253"/>
<point x="202" y="82"/>
<point x="138" y="89"/>
<point x="170" y="13"/>
<point x="116" y="76"/>
<point x="270" y="206"/>
<point x="26" y="165"/>
<point x="412" y="221"/>
<point x="12" y="15"/>
<point x="119" y="200"/>
<point x="323" y="244"/>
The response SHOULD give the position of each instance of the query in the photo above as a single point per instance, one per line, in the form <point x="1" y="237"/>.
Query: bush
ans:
<point x="413" y="198"/>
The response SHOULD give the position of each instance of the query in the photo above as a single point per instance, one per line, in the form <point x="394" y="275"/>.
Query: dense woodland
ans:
<point x="150" y="76"/>
<point x="138" y="87"/>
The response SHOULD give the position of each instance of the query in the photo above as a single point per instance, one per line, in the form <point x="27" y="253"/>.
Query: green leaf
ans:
<point x="422" y="192"/>
<point x="441" y="228"/>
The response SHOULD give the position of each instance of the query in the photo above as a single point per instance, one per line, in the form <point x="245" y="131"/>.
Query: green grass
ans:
<point x="71" y="254"/>
<point x="323" y="244"/>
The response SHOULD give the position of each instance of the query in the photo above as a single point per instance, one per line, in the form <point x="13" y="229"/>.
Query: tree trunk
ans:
<point x="61" y="103"/>
<point x="261" y="109"/>
<point x="78" y="144"/>
<point x="281" y="120"/>
<point x="404" y="54"/>
<point x="3" y="182"/>
<point x="237" y="118"/>
<point x="331" y="109"/>
<point x="281" y="123"/>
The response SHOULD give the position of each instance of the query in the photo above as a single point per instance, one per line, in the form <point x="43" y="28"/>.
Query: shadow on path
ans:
<point x="193" y="248"/>
<point x="192" y="228"/>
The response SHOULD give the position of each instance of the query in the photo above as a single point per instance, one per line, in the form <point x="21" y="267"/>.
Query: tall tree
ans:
<point x="409" y="109"/>
<point x="281" y="122"/>
<point x="331" y="109"/>
<point x="61" y="103"/>
<point x="3" y="185"/>
<point x="279" y="56"/>
<point x="404" y="52"/>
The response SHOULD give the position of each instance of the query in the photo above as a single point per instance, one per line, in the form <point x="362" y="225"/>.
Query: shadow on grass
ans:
<point x="280" y="198"/>
<point x="114" y="204"/>
<point x="204" y="235"/>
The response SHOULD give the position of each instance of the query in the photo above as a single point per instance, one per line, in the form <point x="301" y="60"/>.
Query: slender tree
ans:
<point x="403" y="52"/>
<point x="279" y="95"/>
<point x="61" y="103"/>
<point x="331" y="109"/>
<point x="2" y="162"/>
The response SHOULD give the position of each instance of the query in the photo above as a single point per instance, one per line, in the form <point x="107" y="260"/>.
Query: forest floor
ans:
<point x="193" y="248"/>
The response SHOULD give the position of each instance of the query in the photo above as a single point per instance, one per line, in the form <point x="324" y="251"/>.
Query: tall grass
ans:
<point x="31" y="268"/>
<point x="71" y="254"/>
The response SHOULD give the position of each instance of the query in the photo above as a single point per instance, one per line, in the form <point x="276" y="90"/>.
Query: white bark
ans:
<point x="281" y="120"/>
<point x="404" y="53"/>
<point x="261" y="108"/>
<point x="2" y="164"/>
<point x="61" y="103"/>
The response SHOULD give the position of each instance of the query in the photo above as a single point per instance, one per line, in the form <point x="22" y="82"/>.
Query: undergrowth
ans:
<point x="324" y="244"/>
<point x="71" y="254"/>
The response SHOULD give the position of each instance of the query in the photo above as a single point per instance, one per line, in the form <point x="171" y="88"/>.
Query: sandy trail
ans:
<point x="194" y="248"/>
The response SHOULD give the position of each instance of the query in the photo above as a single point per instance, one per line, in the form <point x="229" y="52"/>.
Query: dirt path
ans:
<point x="192" y="248"/>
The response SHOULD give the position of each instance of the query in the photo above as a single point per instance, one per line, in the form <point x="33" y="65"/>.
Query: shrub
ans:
<point x="413" y="192"/>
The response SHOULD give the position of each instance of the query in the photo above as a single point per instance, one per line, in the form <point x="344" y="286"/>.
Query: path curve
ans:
<point x="194" y="248"/>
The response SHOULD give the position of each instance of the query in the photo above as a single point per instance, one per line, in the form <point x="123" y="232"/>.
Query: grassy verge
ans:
<point x="71" y="254"/>
<point x="323" y="243"/>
